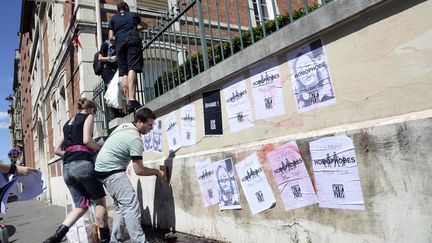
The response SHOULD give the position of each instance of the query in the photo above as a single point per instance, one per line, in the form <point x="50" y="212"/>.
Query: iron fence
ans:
<point x="102" y="115"/>
<point x="195" y="35"/>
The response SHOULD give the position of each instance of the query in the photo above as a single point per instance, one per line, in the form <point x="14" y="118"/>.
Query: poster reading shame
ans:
<point x="188" y="124"/>
<point x="336" y="173"/>
<point x="207" y="182"/>
<point x="237" y="105"/>
<point x="310" y="77"/>
<point x="267" y="90"/>
<point x="212" y="113"/>
<point x="291" y="176"/>
<point x="172" y="131"/>
<point x="229" y="195"/>
<point x="255" y="184"/>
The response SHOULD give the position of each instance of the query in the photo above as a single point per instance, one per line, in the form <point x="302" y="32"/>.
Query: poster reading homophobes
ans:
<point x="207" y="182"/>
<point x="267" y="90"/>
<point x="188" y="125"/>
<point x="229" y="194"/>
<point x="291" y="176"/>
<point x="336" y="173"/>
<point x="238" y="105"/>
<point x="172" y="131"/>
<point x="310" y="76"/>
<point x="212" y="113"/>
<point x="255" y="184"/>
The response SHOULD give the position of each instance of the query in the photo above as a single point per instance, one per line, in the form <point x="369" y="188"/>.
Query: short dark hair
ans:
<point x="122" y="6"/>
<point x="143" y="114"/>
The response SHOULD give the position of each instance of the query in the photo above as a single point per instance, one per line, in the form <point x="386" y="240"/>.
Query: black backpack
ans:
<point x="97" y="65"/>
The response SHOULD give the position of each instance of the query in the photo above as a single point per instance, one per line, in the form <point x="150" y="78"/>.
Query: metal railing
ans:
<point x="102" y="115"/>
<point x="195" y="35"/>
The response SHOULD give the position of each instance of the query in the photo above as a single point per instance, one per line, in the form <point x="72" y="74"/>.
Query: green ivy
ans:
<point x="195" y="64"/>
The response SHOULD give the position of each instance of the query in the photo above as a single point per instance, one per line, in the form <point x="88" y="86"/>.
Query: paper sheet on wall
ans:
<point x="237" y="104"/>
<point x="207" y="182"/>
<point x="188" y="124"/>
<point x="336" y="173"/>
<point x="172" y="131"/>
<point x="156" y="136"/>
<point x="255" y="184"/>
<point x="291" y="176"/>
<point x="212" y="113"/>
<point x="148" y="141"/>
<point x="229" y="194"/>
<point x="267" y="91"/>
<point x="310" y="77"/>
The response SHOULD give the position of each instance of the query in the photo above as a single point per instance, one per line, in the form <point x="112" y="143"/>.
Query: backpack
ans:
<point x="97" y="65"/>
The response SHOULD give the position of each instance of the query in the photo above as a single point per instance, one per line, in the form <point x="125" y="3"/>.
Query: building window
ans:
<point x="260" y="10"/>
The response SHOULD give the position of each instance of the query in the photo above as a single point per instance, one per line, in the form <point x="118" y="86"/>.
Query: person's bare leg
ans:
<point x="132" y="82"/>
<point x="125" y="86"/>
<point x="101" y="213"/>
<point x="73" y="216"/>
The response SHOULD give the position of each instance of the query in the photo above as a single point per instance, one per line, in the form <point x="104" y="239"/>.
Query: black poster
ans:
<point x="212" y="113"/>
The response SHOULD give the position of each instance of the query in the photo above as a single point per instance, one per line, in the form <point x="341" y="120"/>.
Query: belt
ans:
<point x="78" y="147"/>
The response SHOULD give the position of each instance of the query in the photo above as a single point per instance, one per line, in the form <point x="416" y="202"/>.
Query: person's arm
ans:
<point x="141" y="170"/>
<point x="141" y="25"/>
<point x="59" y="148"/>
<point x="107" y="59"/>
<point x="88" y="134"/>
<point x="15" y="169"/>
<point x="111" y="36"/>
<point x="103" y="54"/>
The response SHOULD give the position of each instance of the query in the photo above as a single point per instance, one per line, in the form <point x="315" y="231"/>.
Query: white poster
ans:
<point x="172" y="131"/>
<point x="310" y="77"/>
<point x="238" y="105"/>
<point x="291" y="176"/>
<point x="336" y="173"/>
<point x="148" y="141"/>
<point x="255" y="184"/>
<point x="229" y="194"/>
<point x="152" y="140"/>
<point x="267" y="91"/>
<point x="156" y="134"/>
<point x="207" y="182"/>
<point x="188" y="124"/>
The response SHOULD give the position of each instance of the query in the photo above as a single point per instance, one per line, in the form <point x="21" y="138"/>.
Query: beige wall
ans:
<point x="381" y="72"/>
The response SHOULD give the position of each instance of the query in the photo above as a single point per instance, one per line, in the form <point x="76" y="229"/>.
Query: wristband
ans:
<point x="12" y="169"/>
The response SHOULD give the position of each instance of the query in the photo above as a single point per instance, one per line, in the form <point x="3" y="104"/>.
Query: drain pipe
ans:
<point x="98" y="24"/>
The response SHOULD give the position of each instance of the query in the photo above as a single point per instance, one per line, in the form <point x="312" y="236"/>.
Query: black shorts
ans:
<point x="129" y="55"/>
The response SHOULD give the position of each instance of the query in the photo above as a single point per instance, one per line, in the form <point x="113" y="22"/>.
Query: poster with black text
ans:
<point x="255" y="184"/>
<point x="188" y="124"/>
<point x="229" y="194"/>
<point x="212" y="113"/>
<point x="310" y="77"/>
<point x="336" y="174"/>
<point x="207" y="182"/>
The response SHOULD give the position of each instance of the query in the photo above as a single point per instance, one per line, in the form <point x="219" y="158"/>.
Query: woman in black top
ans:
<point x="78" y="148"/>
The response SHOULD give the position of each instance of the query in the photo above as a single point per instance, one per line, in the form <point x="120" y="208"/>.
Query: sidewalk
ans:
<point x="34" y="221"/>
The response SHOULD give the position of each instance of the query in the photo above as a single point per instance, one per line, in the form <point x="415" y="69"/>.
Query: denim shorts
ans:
<point x="80" y="178"/>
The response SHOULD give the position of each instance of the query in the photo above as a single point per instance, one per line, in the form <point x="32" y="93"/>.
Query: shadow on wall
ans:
<point x="163" y="202"/>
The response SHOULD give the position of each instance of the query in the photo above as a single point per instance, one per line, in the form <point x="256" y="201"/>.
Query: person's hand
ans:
<point x="161" y="174"/>
<point x="23" y="171"/>
<point x="112" y="59"/>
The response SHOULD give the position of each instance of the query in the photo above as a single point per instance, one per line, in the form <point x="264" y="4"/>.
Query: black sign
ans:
<point x="212" y="113"/>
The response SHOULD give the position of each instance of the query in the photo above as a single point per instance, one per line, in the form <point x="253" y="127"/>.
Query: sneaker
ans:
<point x="133" y="105"/>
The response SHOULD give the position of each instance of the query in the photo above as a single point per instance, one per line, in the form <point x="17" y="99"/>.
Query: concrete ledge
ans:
<point x="321" y="19"/>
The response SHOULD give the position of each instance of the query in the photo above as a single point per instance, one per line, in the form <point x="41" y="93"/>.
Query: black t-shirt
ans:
<point x="124" y="24"/>
<point x="108" y="50"/>
<point x="73" y="135"/>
